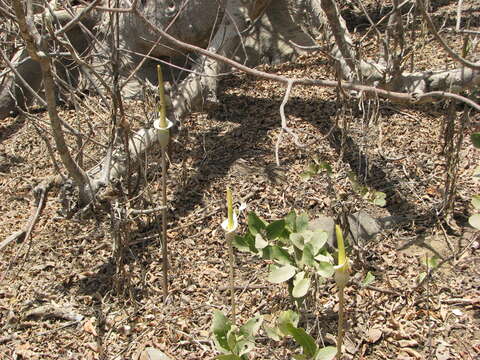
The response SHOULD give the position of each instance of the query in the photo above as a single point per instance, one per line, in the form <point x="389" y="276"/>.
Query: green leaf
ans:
<point x="300" y="285"/>
<point x="326" y="353"/>
<point x="307" y="235"/>
<point x="325" y="269"/>
<point x="273" y="333"/>
<point x="251" y="327"/>
<point x="241" y="243"/>
<point x="303" y="339"/>
<point x="307" y="256"/>
<point x="299" y="357"/>
<point x="476" y="202"/>
<point x="380" y="198"/>
<point x="431" y="262"/>
<point x="475" y="138"/>
<point x="232" y="340"/>
<point x="318" y="240"/>
<point x="312" y="168"/>
<point x="220" y="328"/>
<point x="306" y="175"/>
<point x="244" y="346"/>
<point x="291" y="221"/>
<point x="421" y="276"/>
<point x="302" y="222"/>
<point x="324" y="257"/>
<point x="474" y="220"/>
<point x="280" y="274"/>
<point x="227" y="357"/>
<point x="255" y="224"/>
<point x="369" y="278"/>
<point x="281" y="255"/>
<point x="259" y="242"/>
<point x="275" y="229"/>
<point x="297" y="240"/>
<point x="288" y="317"/>
<point x="326" y="166"/>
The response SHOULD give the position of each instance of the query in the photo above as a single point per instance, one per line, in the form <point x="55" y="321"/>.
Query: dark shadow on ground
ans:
<point x="7" y="131"/>
<point x="224" y="150"/>
<point x="215" y="151"/>
<point x="357" y="21"/>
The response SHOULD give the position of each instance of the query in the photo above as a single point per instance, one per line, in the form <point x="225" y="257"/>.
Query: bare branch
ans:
<point x="453" y="54"/>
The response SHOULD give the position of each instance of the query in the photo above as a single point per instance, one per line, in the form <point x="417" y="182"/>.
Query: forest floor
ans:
<point x="67" y="264"/>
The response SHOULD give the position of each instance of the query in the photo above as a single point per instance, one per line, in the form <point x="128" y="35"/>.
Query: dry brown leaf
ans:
<point x="413" y="353"/>
<point x="89" y="327"/>
<point x="442" y="352"/>
<point x="151" y="353"/>
<point x="407" y="343"/>
<point x="374" y="334"/>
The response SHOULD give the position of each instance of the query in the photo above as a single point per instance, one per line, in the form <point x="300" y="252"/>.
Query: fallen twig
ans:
<point x="56" y="312"/>
<point x="39" y="193"/>
<point x="5" y="339"/>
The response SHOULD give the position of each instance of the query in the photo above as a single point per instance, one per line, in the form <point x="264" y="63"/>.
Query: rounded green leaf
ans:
<point x="228" y="357"/>
<point x="475" y="137"/>
<point x="275" y="229"/>
<point x="291" y="221"/>
<point x="474" y="220"/>
<point x="307" y="256"/>
<point x="300" y="287"/>
<point x="280" y="255"/>
<point x="380" y="199"/>
<point x="260" y="243"/>
<point x="369" y="278"/>
<point x="303" y="339"/>
<point x="273" y="333"/>
<point x="280" y="274"/>
<point x="255" y="224"/>
<point x="251" y="327"/>
<point x="288" y="317"/>
<point x="326" y="353"/>
<point x="302" y="222"/>
<point x="297" y="240"/>
<point x="221" y="325"/>
<point x="241" y="243"/>
<point x="318" y="240"/>
<point x="325" y="269"/>
<point x="476" y="202"/>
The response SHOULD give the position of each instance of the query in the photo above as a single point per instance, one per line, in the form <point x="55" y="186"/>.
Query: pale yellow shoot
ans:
<point x="341" y="246"/>
<point x="161" y="93"/>
<point x="230" y="225"/>
<point x="343" y="261"/>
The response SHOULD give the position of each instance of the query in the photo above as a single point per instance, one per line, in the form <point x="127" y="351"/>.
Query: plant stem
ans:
<point x="232" y="275"/>
<point x="340" y="325"/>
<point x="164" y="225"/>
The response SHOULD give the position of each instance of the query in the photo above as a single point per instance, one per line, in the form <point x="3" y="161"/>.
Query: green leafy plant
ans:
<point x="298" y="253"/>
<point x="375" y="197"/>
<point x="369" y="279"/>
<point x="316" y="167"/>
<point x="431" y="263"/>
<point x="475" y="138"/>
<point x="234" y="342"/>
<point x="287" y="325"/>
